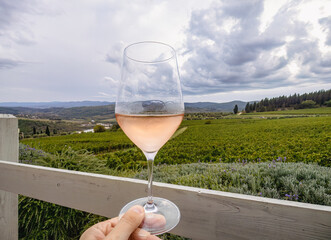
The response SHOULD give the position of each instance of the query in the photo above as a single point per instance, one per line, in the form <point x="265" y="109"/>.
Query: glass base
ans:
<point x="161" y="216"/>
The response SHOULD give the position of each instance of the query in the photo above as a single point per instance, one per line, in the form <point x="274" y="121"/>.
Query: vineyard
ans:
<point x="301" y="139"/>
<point x="276" y="156"/>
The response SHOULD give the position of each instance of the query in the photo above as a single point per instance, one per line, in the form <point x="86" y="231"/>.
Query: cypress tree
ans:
<point x="47" y="131"/>
<point x="235" y="110"/>
<point x="247" y="108"/>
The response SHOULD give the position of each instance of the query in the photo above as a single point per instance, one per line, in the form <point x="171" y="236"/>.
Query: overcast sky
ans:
<point x="227" y="50"/>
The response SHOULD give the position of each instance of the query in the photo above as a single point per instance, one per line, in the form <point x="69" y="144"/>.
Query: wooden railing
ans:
<point x="206" y="214"/>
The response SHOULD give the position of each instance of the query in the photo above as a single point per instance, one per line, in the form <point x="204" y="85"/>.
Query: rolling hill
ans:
<point x="55" y="104"/>
<point x="96" y="110"/>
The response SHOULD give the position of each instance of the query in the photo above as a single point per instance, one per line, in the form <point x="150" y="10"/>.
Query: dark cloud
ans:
<point x="303" y="49"/>
<point x="12" y="14"/>
<point x="12" y="11"/>
<point x="326" y="62"/>
<point x="8" y="63"/>
<point x="226" y="50"/>
<point x="7" y="10"/>
<point x="322" y="66"/>
<point x="115" y="54"/>
<point x="326" y="23"/>
<point x="269" y="67"/>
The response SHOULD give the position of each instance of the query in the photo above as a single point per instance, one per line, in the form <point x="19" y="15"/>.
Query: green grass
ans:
<point x="178" y="132"/>
<point x="93" y="142"/>
<point x="68" y="158"/>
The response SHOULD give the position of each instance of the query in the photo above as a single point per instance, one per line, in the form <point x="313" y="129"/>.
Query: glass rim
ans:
<point x="173" y="52"/>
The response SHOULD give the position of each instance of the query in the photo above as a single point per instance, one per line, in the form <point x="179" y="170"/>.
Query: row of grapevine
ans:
<point x="228" y="140"/>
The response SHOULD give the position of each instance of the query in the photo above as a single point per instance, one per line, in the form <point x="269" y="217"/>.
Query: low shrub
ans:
<point x="300" y="182"/>
<point x="99" y="128"/>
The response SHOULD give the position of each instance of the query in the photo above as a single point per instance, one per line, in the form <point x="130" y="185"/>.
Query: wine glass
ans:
<point x="149" y="108"/>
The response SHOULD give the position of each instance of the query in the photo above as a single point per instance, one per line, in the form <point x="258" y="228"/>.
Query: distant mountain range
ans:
<point x="81" y="113"/>
<point x="96" y="110"/>
<point x="228" y="106"/>
<point x="55" y="104"/>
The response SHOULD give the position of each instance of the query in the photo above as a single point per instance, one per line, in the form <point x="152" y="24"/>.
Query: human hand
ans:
<point x="124" y="229"/>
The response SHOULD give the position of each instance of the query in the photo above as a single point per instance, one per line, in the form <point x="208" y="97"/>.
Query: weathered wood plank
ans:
<point x="206" y="214"/>
<point x="8" y="200"/>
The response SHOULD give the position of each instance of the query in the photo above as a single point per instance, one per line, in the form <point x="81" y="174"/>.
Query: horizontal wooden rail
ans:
<point x="206" y="214"/>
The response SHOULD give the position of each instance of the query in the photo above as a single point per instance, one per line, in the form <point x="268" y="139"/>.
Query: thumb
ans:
<point x="128" y="224"/>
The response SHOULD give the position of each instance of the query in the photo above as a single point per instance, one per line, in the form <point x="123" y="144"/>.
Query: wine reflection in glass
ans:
<point x="149" y="108"/>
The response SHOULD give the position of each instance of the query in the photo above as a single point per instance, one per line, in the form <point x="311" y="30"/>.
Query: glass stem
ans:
<point x="150" y="181"/>
<point x="150" y="162"/>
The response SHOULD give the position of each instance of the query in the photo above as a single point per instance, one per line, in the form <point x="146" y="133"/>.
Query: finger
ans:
<point x="114" y="221"/>
<point x="152" y="220"/>
<point x="98" y="231"/>
<point x="139" y="234"/>
<point x="128" y="224"/>
<point x="106" y="226"/>
<point x="152" y="237"/>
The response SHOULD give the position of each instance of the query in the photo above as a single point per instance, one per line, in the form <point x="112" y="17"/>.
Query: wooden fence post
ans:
<point x="8" y="201"/>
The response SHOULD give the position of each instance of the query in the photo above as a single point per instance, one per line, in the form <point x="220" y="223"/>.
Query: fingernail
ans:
<point x="154" y="221"/>
<point x="138" y="209"/>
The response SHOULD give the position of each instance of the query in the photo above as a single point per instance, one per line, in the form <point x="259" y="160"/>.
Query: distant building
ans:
<point x="106" y="125"/>
<point x="88" y="131"/>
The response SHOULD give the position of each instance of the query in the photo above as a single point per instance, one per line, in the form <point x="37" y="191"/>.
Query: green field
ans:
<point x="301" y="139"/>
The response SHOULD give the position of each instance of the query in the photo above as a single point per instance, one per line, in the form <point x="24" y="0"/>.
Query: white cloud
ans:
<point x="54" y="51"/>
<point x="58" y="47"/>
<point x="229" y="50"/>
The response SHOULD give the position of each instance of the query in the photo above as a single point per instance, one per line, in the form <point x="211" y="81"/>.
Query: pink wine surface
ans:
<point x="149" y="132"/>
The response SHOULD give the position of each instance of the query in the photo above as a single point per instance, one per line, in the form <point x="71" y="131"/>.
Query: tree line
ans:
<point x="296" y="101"/>
<point x="47" y="131"/>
